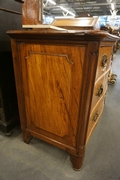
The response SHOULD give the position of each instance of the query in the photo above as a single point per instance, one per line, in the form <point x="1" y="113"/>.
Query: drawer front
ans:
<point x="99" y="90"/>
<point x="104" y="60"/>
<point x="94" y="117"/>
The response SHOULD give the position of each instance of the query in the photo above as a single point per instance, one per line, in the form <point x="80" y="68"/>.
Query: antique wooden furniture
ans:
<point x="83" y="23"/>
<point x="9" y="117"/>
<point x="61" y="80"/>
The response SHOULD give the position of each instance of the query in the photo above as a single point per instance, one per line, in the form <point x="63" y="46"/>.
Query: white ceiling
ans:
<point x="81" y="7"/>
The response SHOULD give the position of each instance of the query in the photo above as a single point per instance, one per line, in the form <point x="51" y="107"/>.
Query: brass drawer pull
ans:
<point x="104" y="60"/>
<point x="95" y="116"/>
<point x="100" y="91"/>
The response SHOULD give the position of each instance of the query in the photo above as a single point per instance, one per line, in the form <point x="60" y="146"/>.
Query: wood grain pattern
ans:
<point x="101" y="84"/>
<point x="49" y="73"/>
<point x="77" y="23"/>
<point x="95" y="116"/>
<point x="57" y="75"/>
<point x="31" y="15"/>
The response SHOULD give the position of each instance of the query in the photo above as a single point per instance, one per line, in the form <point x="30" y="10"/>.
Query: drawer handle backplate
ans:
<point x="104" y="60"/>
<point x="100" y="91"/>
<point x="95" y="116"/>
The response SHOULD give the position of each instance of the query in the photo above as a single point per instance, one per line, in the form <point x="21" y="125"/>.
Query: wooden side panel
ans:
<point x="32" y="12"/>
<point x="52" y="77"/>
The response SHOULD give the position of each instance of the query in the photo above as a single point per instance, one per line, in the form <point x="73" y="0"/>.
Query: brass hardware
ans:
<point x="112" y="79"/>
<point x="95" y="116"/>
<point x="100" y="91"/>
<point x="104" y="60"/>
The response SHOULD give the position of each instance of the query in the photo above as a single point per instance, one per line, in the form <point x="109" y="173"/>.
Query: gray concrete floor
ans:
<point x="42" y="161"/>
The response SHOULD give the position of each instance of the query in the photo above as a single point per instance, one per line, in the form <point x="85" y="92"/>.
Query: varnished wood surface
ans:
<point x="31" y="13"/>
<point x="77" y="23"/>
<point x="108" y="51"/>
<point x="95" y="116"/>
<point x="51" y="76"/>
<point x="101" y="84"/>
<point x="55" y="75"/>
<point x="72" y="36"/>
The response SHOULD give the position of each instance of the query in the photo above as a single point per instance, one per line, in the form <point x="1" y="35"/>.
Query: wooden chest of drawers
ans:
<point x="100" y="85"/>
<point x="61" y="80"/>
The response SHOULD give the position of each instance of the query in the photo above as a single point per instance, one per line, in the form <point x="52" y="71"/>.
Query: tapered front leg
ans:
<point x="77" y="161"/>
<point x="27" y="137"/>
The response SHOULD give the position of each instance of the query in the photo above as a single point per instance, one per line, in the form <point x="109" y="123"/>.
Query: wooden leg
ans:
<point x="27" y="137"/>
<point x="77" y="162"/>
<point x="9" y="133"/>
